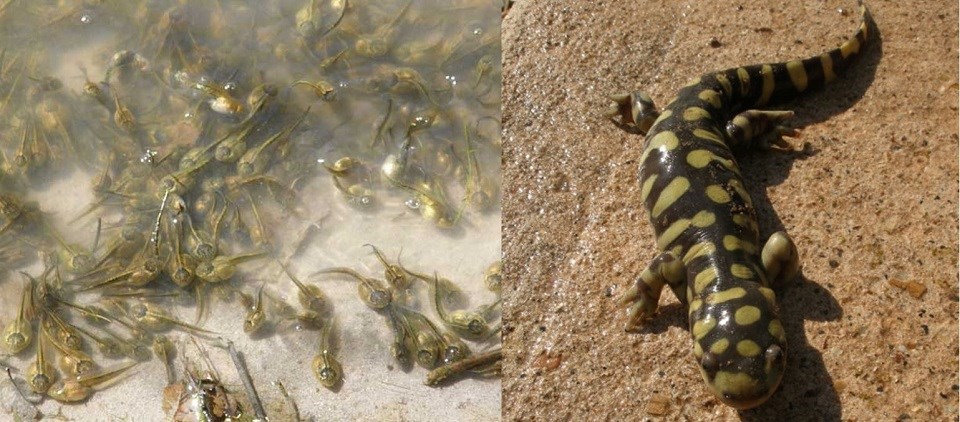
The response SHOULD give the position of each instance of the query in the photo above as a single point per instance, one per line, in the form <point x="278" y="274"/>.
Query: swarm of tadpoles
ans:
<point x="198" y="149"/>
<point x="416" y="337"/>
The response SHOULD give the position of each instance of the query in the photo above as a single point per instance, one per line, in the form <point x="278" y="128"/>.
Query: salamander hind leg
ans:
<point x="636" y="110"/>
<point x="780" y="259"/>
<point x="642" y="298"/>
<point x="760" y="128"/>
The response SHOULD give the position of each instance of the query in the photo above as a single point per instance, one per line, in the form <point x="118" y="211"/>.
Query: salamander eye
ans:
<point x="709" y="362"/>
<point x="774" y="354"/>
<point x="735" y="131"/>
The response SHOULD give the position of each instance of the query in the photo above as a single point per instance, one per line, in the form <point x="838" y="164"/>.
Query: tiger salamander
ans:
<point x="704" y="220"/>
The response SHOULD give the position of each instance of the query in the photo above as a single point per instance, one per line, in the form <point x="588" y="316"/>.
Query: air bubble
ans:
<point x="147" y="157"/>
<point x="421" y="122"/>
<point x="182" y="77"/>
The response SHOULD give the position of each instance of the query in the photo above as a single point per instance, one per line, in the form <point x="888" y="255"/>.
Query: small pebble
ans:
<point x="658" y="405"/>
<point x="914" y="288"/>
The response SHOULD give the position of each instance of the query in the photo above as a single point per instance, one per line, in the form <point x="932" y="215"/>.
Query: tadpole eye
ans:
<point x="207" y="385"/>
<point x="709" y="362"/>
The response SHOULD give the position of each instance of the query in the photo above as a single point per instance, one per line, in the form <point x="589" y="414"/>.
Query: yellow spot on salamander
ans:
<point x="744" y="80"/>
<point x="726" y="381"/>
<point x="711" y="97"/>
<point x="748" y="348"/>
<point x="699" y="158"/>
<point x="698" y="250"/>
<point x="695" y="113"/>
<point x="676" y="250"/>
<point x="725" y="295"/>
<point x="776" y="330"/>
<point x="694" y="306"/>
<point x="769" y="294"/>
<point x="718" y="194"/>
<point x="647" y="185"/>
<point x="703" y="279"/>
<point x="827" y="63"/>
<point x="703" y="326"/>
<point x="741" y="271"/>
<point x="692" y="82"/>
<point x="747" y="315"/>
<point x="703" y="219"/>
<point x="697" y="350"/>
<point x="708" y="135"/>
<point x="725" y="83"/>
<point x="719" y="346"/>
<point x="670" y="194"/>
<point x="766" y="72"/>
<point x="746" y="221"/>
<point x="672" y="232"/>
<point x="742" y="191"/>
<point x="665" y="140"/>
<point x="798" y="75"/>
<point x="732" y="243"/>
<point x="663" y="116"/>
<point x="852" y="46"/>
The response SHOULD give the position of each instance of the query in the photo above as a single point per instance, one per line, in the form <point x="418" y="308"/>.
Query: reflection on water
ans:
<point x="313" y="182"/>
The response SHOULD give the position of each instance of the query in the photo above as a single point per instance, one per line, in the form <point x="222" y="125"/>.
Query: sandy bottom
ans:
<point x="871" y="204"/>
<point x="374" y="386"/>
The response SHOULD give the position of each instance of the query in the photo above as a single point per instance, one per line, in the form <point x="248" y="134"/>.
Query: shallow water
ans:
<point x="430" y="96"/>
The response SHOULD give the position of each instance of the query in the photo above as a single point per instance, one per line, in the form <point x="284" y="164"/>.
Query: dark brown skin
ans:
<point x="702" y="214"/>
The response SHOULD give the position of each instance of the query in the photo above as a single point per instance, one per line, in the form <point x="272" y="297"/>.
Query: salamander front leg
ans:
<point x="760" y="128"/>
<point x="643" y="296"/>
<point x="636" y="111"/>
<point x="780" y="259"/>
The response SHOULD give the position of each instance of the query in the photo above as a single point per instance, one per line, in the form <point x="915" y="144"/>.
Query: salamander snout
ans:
<point x="743" y="382"/>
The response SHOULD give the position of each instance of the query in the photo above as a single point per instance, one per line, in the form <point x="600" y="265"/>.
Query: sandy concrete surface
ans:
<point x="871" y="204"/>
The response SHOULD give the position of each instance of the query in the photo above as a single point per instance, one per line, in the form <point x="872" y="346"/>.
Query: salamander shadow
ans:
<point x="808" y="391"/>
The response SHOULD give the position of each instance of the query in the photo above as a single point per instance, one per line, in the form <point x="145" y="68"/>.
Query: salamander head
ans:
<point x="741" y="390"/>
<point x="740" y="348"/>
